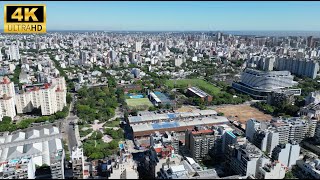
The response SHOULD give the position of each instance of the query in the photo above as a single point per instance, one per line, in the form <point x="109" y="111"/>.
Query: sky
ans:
<point x="179" y="15"/>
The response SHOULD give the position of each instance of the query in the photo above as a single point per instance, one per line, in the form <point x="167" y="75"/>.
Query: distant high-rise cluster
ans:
<point x="297" y="66"/>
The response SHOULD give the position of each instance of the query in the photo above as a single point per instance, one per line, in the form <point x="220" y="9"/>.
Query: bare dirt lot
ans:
<point x="186" y="109"/>
<point x="242" y="113"/>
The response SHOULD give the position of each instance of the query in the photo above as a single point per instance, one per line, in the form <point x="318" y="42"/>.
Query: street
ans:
<point x="70" y="131"/>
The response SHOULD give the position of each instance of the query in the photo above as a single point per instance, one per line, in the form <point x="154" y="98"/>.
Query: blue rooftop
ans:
<point x="163" y="97"/>
<point x="164" y="125"/>
<point x="171" y="116"/>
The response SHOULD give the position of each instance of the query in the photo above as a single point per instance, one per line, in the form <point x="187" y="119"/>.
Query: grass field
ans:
<point x="205" y="86"/>
<point x="114" y="123"/>
<point x="138" y="103"/>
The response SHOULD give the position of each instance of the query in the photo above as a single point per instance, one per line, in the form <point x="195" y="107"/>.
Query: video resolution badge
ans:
<point x="22" y="18"/>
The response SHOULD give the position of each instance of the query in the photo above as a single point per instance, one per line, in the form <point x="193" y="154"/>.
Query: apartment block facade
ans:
<point x="200" y="142"/>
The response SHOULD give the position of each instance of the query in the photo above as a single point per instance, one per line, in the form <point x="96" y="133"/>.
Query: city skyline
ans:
<point x="180" y="16"/>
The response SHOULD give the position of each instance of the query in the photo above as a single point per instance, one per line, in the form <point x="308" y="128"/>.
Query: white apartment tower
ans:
<point x="7" y="98"/>
<point x="23" y="102"/>
<point x="48" y="100"/>
<point x="60" y="99"/>
<point x="14" y="52"/>
<point x="0" y="55"/>
<point x="7" y="106"/>
<point x="7" y="87"/>
<point x="138" y="46"/>
<point x="287" y="154"/>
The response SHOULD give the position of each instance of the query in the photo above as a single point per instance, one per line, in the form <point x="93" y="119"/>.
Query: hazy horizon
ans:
<point x="180" y="16"/>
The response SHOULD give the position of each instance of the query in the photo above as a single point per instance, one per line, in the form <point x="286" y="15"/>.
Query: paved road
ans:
<point x="70" y="131"/>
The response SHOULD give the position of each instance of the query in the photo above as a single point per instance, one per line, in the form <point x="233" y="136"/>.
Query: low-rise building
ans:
<point x="146" y="123"/>
<point x="166" y="143"/>
<point x="313" y="97"/>
<point x="311" y="111"/>
<point x="22" y="152"/>
<point x="186" y="169"/>
<point x="277" y="98"/>
<point x="310" y="168"/>
<point x="197" y="92"/>
<point x="271" y="170"/>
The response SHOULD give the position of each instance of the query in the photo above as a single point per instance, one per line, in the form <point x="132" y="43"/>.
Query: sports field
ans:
<point x="139" y="103"/>
<point x="202" y="84"/>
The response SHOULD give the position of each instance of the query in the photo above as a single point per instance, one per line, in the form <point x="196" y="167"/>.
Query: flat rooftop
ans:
<point x="154" y="116"/>
<point x="182" y="123"/>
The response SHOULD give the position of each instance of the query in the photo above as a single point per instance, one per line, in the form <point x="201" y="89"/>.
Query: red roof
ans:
<point x="46" y="85"/>
<point x="204" y="131"/>
<point x="6" y="80"/>
<point x="158" y="150"/>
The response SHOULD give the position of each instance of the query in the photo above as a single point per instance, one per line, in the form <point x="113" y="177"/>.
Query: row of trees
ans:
<point x="16" y="74"/>
<point x="308" y="85"/>
<point x="280" y="110"/>
<point x="7" y="125"/>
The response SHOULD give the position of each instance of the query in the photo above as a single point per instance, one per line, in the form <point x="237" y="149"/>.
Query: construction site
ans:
<point x="242" y="113"/>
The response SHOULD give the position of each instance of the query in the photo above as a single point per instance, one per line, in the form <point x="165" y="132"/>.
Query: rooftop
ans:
<point x="154" y="116"/>
<point x="181" y="123"/>
<point x="198" y="92"/>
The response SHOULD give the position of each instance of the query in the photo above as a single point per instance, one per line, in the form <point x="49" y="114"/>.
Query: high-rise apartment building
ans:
<point x="200" y="142"/>
<point x="83" y="57"/>
<point x="138" y="46"/>
<point x="264" y="137"/>
<point x="50" y="98"/>
<point x="248" y="160"/>
<point x="77" y="162"/>
<point x="7" y="106"/>
<point x="23" y="102"/>
<point x="7" y="87"/>
<point x="298" y="66"/>
<point x="243" y="159"/>
<point x="7" y="98"/>
<point x="14" y="52"/>
<point x="287" y="154"/>
<point x="294" y="129"/>
<point x="267" y="136"/>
